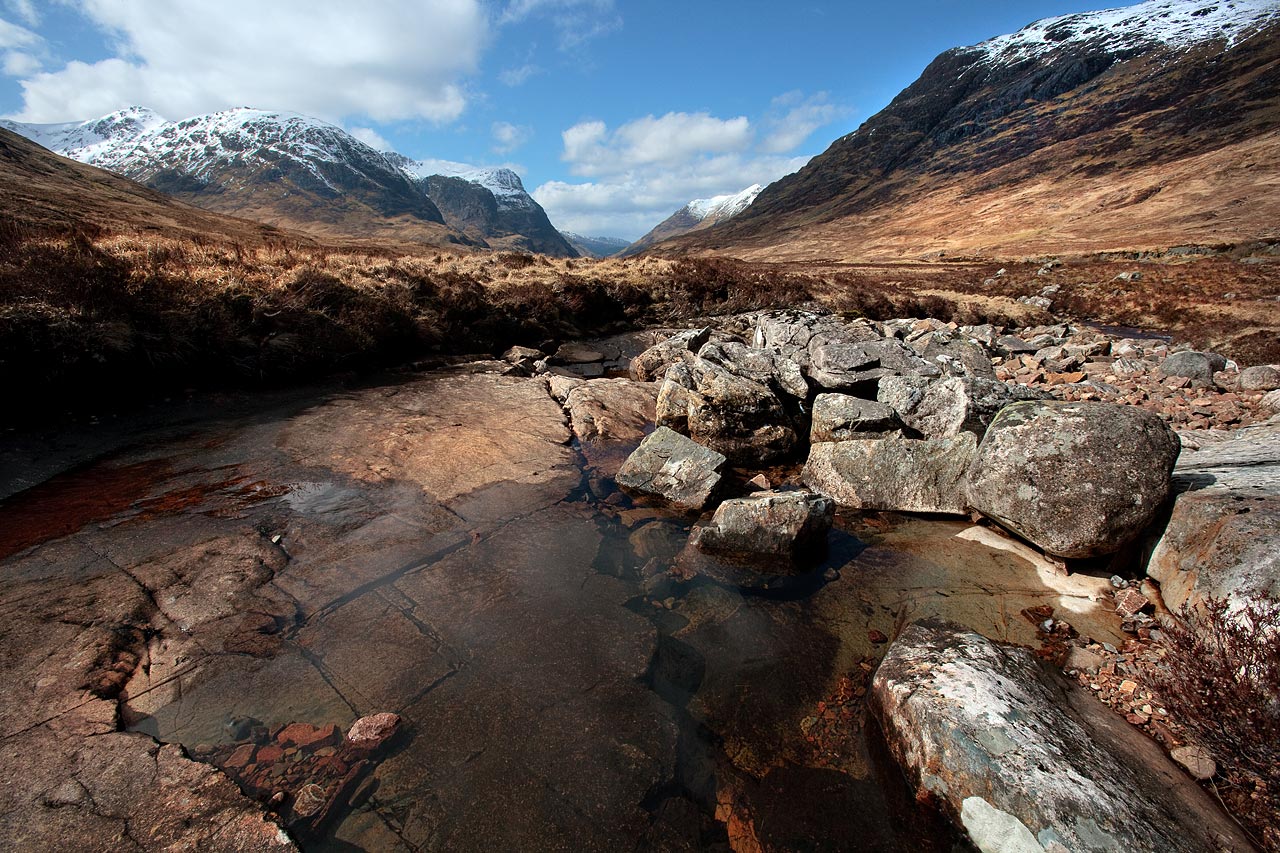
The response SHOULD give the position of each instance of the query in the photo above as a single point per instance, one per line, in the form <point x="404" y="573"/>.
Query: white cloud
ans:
<point x="395" y="59"/>
<point x="629" y="204"/>
<point x="793" y="117"/>
<point x="25" y="11"/>
<point x="508" y="137"/>
<point x="648" y="168"/>
<point x="16" y="44"/>
<point x="575" y="21"/>
<point x="371" y="137"/>
<point x="12" y="35"/>
<point x="592" y="150"/>
<point x="15" y="63"/>
<point x="517" y="76"/>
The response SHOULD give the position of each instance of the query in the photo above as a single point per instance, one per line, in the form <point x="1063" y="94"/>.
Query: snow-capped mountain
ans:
<point x="294" y="170"/>
<point x="696" y="215"/>
<point x="1143" y="126"/>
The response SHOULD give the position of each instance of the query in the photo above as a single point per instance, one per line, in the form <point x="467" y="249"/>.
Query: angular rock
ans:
<point x="840" y="417"/>
<point x="1222" y="539"/>
<point x="1019" y="757"/>
<point x="795" y="334"/>
<point x="1262" y="377"/>
<point x="518" y="354"/>
<point x="957" y="357"/>
<point x="653" y="362"/>
<point x="371" y="732"/>
<point x="1076" y="479"/>
<point x="1011" y="345"/>
<point x="780" y="374"/>
<point x="674" y="467"/>
<point x="737" y="415"/>
<point x="1199" y="366"/>
<point x="951" y="406"/>
<point x="859" y="366"/>
<point x="777" y="523"/>
<point x="898" y="474"/>
<point x="576" y="353"/>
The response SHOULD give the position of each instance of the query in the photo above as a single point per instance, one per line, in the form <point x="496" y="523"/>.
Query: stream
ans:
<point x="438" y="546"/>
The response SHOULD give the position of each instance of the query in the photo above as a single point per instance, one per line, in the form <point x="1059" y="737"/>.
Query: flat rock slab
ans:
<point x="1222" y="539"/>
<point x="896" y="474"/>
<point x="1012" y="751"/>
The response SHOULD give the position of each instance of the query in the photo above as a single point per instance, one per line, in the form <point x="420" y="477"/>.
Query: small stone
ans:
<point x="1197" y="760"/>
<point x="242" y="757"/>
<point x="877" y="637"/>
<point x="310" y="799"/>
<point x="373" y="731"/>
<point x="1128" y="686"/>
<point x="1129" y="602"/>
<point x="830" y="574"/>
<point x="1118" y="582"/>
<point x="304" y="735"/>
<point x="760" y="482"/>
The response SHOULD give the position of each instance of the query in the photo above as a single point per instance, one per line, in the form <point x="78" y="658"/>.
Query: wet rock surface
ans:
<point x="779" y="523"/>
<point x="674" y="467"/>
<point x="1015" y="753"/>
<point x="1076" y="479"/>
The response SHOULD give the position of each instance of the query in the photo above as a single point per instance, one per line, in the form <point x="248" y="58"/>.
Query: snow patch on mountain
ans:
<point x="723" y="206"/>
<point x="1174" y="23"/>
<point x="505" y="184"/>
<point x="94" y="140"/>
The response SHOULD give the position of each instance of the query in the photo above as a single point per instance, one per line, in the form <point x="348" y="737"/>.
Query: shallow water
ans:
<point x="561" y="688"/>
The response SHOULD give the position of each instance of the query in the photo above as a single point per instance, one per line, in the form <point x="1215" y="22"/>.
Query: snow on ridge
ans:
<point x="1175" y="23"/>
<point x="723" y="206"/>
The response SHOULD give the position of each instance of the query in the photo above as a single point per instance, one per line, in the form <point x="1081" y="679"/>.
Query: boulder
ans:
<point x="777" y="523"/>
<point x="1199" y="366"/>
<point x="780" y="374"/>
<point x="1262" y="377"/>
<point x="840" y="417"/>
<point x="950" y="406"/>
<point x="1023" y="760"/>
<point x="732" y="413"/>
<point x="1076" y="479"/>
<point x="1222" y="539"/>
<point x="857" y="367"/>
<point x="653" y="362"/>
<point x="899" y="474"/>
<point x="576" y="353"/>
<point x="674" y="467"/>
<point x="795" y="334"/>
<point x="957" y="357"/>
<point x="372" y="732"/>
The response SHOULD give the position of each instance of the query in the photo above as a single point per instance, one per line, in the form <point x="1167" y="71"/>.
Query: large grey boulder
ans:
<point x="956" y="356"/>
<point x="1190" y="364"/>
<point x="950" y="406"/>
<point x="898" y="474"/>
<point x="795" y="334"/>
<point x="1223" y="536"/>
<point x="780" y="374"/>
<point x="727" y="408"/>
<point x="777" y="523"/>
<point x="651" y="364"/>
<point x="1022" y="760"/>
<point x="1076" y="479"/>
<point x="840" y="417"/>
<point x="674" y="467"/>
<point x="1262" y="377"/>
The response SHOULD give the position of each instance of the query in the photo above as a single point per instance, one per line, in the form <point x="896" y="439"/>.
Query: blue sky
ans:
<point x="615" y="113"/>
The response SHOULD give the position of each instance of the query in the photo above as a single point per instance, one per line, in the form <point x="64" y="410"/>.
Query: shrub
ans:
<point x="1221" y="679"/>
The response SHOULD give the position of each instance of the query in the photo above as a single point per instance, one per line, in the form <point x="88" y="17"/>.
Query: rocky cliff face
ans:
<point x="1144" y="126"/>
<point x="508" y="220"/>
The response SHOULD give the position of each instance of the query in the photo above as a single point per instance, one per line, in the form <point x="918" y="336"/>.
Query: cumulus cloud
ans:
<point x="507" y="137"/>
<point x="575" y="21"/>
<point x="646" y="169"/>
<point x="592" y="150"/>
<point x="26" y="12"/>
<point x="793" y="117"/>
<point x="371" y="137"/>
<point x="391" y="60"/>
<point x="16" y="49"/>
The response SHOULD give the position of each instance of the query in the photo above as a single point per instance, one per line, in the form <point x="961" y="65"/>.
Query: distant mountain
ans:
<point x="596" y="247"/>
<point x="42" y="192"/>
<point x="1150" y="126"/>
<point x="295" y="171"/>
<point x="696" y="215"/>
<point x="491" y="205"/>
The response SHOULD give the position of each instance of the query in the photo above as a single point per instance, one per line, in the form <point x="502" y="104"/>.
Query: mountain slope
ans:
<point x="41" y="191"/>
<point x="696" y="215"/>
<point x="492" y="206"/>
<point x="596" y="247"/>
<point x="1142" y="127"/>
<point x="292" y="170"/>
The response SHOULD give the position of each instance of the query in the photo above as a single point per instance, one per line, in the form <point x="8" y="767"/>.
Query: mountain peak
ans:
<point x="1173" y="23"/>
<point x="723" y="206"/>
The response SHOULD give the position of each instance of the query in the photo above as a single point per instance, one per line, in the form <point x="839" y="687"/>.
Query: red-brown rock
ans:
<point x="303" y="735"/>
<point x="371" y="732"/>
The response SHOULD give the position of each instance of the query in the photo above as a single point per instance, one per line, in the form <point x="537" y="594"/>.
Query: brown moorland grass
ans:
<point x="88" y="318"/>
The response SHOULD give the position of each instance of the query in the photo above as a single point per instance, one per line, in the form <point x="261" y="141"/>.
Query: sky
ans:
<point x="614" y="113"/>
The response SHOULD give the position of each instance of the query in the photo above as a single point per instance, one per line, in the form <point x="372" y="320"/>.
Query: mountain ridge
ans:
<point x="1130" y="128"/>
<point x="696" y="215"/>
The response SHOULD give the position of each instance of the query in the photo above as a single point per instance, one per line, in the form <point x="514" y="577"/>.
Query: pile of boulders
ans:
<point x="306" y="774"/>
